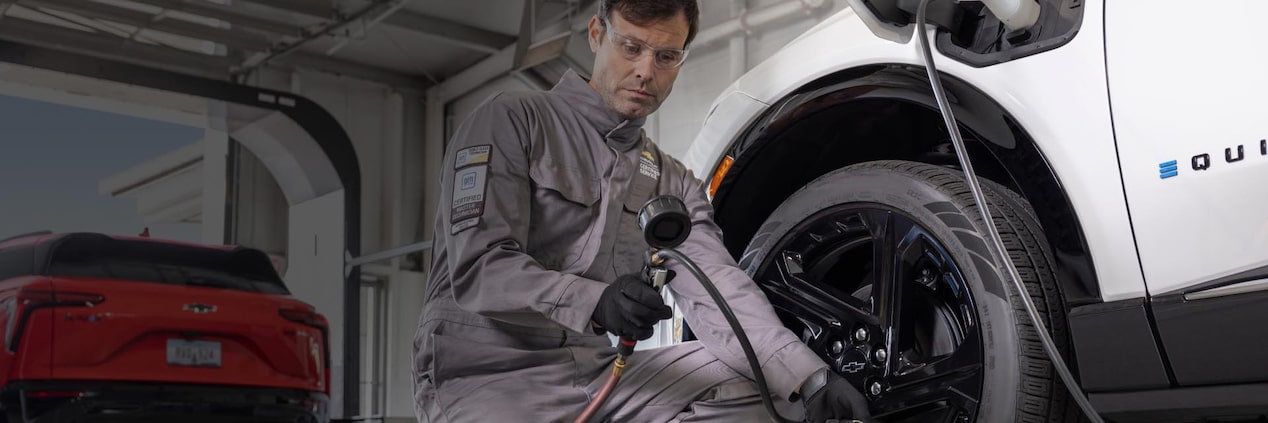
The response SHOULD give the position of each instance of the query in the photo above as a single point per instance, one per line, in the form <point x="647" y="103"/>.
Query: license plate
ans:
<point x="182" y="352"/>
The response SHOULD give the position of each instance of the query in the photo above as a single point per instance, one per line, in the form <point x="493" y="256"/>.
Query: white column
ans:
<point x="215" y="180"/>
<point x="315" y="275"/>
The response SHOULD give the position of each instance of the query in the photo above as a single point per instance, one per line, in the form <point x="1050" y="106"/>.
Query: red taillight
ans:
<point x="315" y="320"/>
<point x="302" y="316"/>
<point x="30" y="300"/>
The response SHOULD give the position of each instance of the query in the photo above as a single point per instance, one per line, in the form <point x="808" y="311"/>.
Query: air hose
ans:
<point x="978" y="198"/>
<point x="618" y="366"/>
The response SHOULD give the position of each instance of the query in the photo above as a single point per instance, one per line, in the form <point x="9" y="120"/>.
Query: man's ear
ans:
<point x="595" y="34"/>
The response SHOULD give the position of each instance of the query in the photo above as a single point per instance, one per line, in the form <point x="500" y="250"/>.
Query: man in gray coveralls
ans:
<point x="538" y="256"/>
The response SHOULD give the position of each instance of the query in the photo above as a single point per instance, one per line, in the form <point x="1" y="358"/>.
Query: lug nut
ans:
<point x="860" y="334"/>
<point x="926" y="278"/>
<point x="837" y="347"/>
<point x="880" y="355"/>
<point x="875" y="389"/>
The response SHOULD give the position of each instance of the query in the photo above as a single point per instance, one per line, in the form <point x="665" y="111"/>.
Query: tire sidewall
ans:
<point x="913" y="197"/>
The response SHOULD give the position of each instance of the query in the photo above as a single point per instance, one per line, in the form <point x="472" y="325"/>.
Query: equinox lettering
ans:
<point x="1202" y="161"/>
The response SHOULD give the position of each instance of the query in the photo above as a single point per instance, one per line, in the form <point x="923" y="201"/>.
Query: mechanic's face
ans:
<point x="635" y="66"/>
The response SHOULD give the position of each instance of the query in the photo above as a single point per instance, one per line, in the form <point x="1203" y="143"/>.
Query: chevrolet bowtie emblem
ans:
<point x="199" y="308"/>
<point x="852" y="367"/>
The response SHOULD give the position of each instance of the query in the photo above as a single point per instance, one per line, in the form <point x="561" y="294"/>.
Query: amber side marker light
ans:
<point x="720" y="173"/>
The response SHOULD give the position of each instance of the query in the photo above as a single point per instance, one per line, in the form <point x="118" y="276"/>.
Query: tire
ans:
<point x="972" y="354"/>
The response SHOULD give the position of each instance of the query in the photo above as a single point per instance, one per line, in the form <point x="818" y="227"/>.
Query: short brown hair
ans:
<point x="643" y="12"/>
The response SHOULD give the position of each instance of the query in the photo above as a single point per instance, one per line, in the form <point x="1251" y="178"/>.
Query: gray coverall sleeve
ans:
<point x="491" y="273"/>
<point x="785" y="360"/>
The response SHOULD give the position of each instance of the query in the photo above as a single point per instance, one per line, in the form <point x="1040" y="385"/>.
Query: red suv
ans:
<point x="109" y="328"/>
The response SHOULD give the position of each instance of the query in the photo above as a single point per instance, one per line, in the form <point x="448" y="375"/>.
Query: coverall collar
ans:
<point x="621" y="134"/>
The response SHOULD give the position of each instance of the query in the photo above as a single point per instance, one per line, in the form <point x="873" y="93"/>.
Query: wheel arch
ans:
<point x="888" y="112"/>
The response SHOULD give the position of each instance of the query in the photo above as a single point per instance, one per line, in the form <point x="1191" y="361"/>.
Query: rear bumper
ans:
<point x="69" y="401"/>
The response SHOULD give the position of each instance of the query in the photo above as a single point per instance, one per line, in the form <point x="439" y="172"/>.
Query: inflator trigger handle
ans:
<point x="655" y="271"/>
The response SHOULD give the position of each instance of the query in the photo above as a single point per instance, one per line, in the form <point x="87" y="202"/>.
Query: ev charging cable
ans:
<point x="971" y="177"/>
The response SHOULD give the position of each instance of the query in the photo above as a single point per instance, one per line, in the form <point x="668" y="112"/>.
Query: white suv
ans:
<point x="1122" y="148"/>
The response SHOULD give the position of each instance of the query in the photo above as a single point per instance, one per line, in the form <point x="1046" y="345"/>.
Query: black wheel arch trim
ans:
<point x="999" y="145"/>
<point x="324" y="129"/>
<point x="1255" y="274"/>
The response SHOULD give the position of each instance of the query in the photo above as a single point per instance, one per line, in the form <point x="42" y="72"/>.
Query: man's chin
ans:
<point x="634" y="110"/>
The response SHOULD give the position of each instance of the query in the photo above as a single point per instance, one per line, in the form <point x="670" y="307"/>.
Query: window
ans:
<point x="103" y="257"/>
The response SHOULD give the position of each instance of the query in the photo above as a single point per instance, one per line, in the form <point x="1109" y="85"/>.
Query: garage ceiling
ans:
<point x="409" y="44"/>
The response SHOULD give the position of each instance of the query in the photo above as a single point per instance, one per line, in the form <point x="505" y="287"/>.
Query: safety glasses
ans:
<point x="633" y="50"/>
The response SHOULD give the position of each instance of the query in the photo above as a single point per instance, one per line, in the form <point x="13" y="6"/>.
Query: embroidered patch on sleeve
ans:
<point x="469" y="188"/>
<point x="471" y="176"/>
<point x="472" y="156"/>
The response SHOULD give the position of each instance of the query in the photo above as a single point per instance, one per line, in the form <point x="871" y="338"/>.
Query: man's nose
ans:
<point x="644" y="67"/>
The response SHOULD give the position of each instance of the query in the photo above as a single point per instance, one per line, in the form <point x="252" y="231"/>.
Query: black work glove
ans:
<point x="630" y="308"/>
<point x="837" y="400"/>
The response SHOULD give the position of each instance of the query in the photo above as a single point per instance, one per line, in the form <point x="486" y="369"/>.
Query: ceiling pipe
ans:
<point x="166" y="58"/>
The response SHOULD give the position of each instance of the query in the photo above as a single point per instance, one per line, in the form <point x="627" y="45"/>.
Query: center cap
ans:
<point x="852" y="363"/>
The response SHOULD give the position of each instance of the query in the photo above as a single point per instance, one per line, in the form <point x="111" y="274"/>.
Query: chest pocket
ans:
<point x="565" y="211"/>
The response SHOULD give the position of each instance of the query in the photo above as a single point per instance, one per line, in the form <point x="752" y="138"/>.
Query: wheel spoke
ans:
<point x="892" y="240"/>
<point x="795" y="278"/>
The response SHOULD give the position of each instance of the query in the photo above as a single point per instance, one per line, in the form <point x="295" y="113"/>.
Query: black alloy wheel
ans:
<point x="882" y="270"/>
<point x="883" y="302"/>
